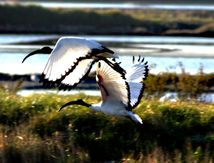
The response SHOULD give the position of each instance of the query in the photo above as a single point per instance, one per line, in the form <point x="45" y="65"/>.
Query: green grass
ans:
<point x="39" y="20"/>
<point x="32" y="130"/>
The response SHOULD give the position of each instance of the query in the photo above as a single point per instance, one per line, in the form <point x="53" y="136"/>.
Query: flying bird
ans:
<point x="120" y="92"/>
<point x="71" y="60"/>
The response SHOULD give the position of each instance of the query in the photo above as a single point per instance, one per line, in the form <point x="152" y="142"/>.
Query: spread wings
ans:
<point x="112" y="83"/>
<point x="127" y="88"/>
<point x="135" y="77"/>
<point x="72" y="79"/>
<point x="70" y="61"/>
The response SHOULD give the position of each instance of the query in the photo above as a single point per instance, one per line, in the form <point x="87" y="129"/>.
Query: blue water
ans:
<point x="171" y="64"/>
<point x="164" y="54"/>
<point x="23" y="38"/>
<point x="11" y="63"/>
<point x="95" y="5"/>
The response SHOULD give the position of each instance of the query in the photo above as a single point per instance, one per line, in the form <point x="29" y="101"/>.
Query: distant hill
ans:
<point x="34" y="19"/>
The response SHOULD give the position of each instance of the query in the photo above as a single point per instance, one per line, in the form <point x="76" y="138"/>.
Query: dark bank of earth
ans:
<point x="103" y="22"/>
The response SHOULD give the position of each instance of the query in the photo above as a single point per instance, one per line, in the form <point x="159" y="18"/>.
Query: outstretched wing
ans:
<point x="74" y="78"/>
<point x="135" y="77"/>
<point x="70" y="60"/>
<point x="112" y="84"/>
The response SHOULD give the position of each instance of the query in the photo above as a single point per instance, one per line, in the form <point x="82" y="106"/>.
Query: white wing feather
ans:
<point x="65" y="55"/>
<point x="135" y="76"/>
<point x="113" y="82"/>
<point x="137" y="72"/>
<point x="81" y="70"/>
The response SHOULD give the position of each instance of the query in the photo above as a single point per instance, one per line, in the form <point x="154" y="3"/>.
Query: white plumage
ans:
<point x="71" y="60"/>
<point x="120" y="92"/>
<point x="135" y="77"/>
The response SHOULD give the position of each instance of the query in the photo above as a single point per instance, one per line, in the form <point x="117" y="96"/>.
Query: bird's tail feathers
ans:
<point x="136" y="118"/>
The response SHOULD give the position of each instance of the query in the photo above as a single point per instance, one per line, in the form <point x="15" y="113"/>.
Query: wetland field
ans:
<point x="178" y="45"/>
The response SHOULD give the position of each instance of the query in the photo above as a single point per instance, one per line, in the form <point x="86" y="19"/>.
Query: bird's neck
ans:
<point x="85" y="104"/>
<point x="96" y="107"/>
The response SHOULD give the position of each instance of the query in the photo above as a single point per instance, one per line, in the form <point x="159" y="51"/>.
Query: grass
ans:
<point x="185" y="84"/>
<point x="32" y="130"/>
<point x="88" y="21"/>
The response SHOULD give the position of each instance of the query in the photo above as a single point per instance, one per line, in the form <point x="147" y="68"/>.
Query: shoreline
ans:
<point x="145" y="51"/>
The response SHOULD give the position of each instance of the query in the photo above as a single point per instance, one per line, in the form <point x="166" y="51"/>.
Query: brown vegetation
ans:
<point x="147" y="22"/>
<point x="32" y="130"/>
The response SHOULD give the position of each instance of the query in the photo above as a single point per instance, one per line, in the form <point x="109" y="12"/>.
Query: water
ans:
<point x="72" y="92"/>
<point x="155" y="39"/>
<point x="95" y="5"/>
<point x="173" y="97"/>
<point x="13" y="38"/>
<point x="26" y="38"/>
<point x="164" y="54"/>
<point x="168" y="96"/>
<point x="11" y="63"/>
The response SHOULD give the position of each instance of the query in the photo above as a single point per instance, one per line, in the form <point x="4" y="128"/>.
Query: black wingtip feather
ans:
<point x="114" y="65"/>
<point x="133" y="59"/>
<point x="107" y="50"/>
<point x="142" y="60"/>
<point x="104" y="49"/>
<point x="146" y="72"/>
<point x="58" y="83"/>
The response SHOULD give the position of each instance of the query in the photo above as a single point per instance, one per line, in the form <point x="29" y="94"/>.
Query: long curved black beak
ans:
<point x="67" y="104"/>
<point x="77" y="102"/>
<point x="44" y="50"/>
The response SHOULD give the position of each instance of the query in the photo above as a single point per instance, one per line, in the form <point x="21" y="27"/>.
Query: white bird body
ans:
<point x="110" y="107"/>
<point x="120" y="92"/>
<point x="115" y="108"/>
<point x="68" y="51"/>
<point x="70" y="60"/>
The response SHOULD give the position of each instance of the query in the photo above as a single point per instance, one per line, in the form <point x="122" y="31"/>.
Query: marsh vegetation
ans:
<point x="32" y="130"/>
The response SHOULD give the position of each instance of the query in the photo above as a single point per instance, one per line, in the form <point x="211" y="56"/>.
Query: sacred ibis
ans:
<point x="71" y="60"/>
<point x="120" y="92"/>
